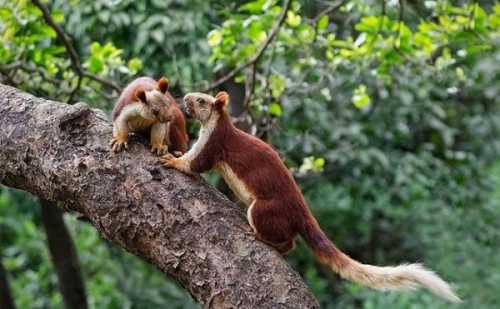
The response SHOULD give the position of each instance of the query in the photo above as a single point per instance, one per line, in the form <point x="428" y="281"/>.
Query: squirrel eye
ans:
<point x="200" y="101"/>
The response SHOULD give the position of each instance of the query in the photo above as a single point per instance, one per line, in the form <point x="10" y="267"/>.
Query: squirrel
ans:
<point x="146" y="106"/>
<point x="277" y="210"/>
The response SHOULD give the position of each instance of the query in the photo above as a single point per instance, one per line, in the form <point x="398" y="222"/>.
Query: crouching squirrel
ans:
<point x="146" y="106"/>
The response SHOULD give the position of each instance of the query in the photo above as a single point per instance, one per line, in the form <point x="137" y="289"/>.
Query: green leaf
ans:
<point x="460" y="74"/>
<point x="372" y="24"/>
<point x="311" y="164"/>
<point x="256" y="32"/>
<point x="214" y="38"/>
<point x="319" y="163"/>
<point x="95" y="64"/>
<point x="292" y="19"/>
<point x="135" y="65"/>
<point x="306" y="33"/>
<point x="254" y="6"/>
<point x="58" y="16"/>
<point x="368" y="24"/>
<point x="95" y="47"/>
<point x="277" y="84"/>
<point x="360" y="99"/>
<point x="323" y="22"/>
<point x="239" y="78"/>
<point x="275" y="110"/>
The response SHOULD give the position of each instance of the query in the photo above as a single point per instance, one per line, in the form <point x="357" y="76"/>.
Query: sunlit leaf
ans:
<point x="135" y="64"/>
<point x="360" y="99"/>
<point x="275" y="110"/>
<point x="214" y="38"/>
<point x="323" y="22"/>
<point x="277" y="85"/>
<point x="292" y="19"/>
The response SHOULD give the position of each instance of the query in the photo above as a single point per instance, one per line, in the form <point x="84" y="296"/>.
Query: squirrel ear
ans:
<point x="140" y="95"/>
<point x="163" y="84"/>
<point x="221" y="99"/>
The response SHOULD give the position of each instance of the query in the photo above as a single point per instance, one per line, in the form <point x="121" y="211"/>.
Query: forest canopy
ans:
<point x="386" y="112"/>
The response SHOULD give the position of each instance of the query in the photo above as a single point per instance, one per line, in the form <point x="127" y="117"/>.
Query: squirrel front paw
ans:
<point x="118" y="144"/>
<point x="168" y="160"/>
<point x="159" y="149"/>
<point x="180" y="164"/>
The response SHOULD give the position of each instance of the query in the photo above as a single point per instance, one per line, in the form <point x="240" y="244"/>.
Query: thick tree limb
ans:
<point x="187" y="229"/>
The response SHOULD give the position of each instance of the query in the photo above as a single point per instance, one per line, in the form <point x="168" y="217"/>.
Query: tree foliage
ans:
<point x="387" y="112"/>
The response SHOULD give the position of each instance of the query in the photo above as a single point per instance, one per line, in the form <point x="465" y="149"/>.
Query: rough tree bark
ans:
<point x="186" y="228"/>
<point x="64" y="257"/>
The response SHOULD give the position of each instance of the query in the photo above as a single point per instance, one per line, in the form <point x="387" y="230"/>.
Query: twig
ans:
<point x="75" y="62"/>
<point x="268" y="72"/>
<point x="329" y="10"/>
<point x="7" y="76"/>
<point x="259" y="53"/>
<point x="250" y="89"/>
<point x="18" y="65"/>
<point x="401" y="16"/>
<point x="75" y="90"/>
<point x="101" y="80"/>
<point x="73" y="56"/>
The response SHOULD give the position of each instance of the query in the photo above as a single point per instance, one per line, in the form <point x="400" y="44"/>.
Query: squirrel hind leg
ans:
<point x="271" y="228"/>
<point x="284" y="248"/>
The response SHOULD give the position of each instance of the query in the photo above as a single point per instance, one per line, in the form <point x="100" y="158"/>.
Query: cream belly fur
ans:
<point x="235" y="184"/>
<point x="239" y="188"/>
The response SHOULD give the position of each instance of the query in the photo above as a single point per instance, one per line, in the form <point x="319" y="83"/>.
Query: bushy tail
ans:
<point x="402" y="277"/>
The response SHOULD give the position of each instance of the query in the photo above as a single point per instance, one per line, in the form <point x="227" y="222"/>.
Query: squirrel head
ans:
<point x="155" y="103"/>
<point x="202" y="106"/>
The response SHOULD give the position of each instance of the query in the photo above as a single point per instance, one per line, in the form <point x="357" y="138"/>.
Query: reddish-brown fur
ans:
<point x="280" y="212"/>
<point x="277" y="209"/>
<point x="178" y="137"/>
<point x="128" y="94"/>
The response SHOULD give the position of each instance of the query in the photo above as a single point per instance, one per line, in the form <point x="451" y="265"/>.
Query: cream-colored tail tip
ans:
<point x="453" y="298"/>
<point x="449" y="295"/>
<point x="430" y="280"/>
<point x="403" y="277"/>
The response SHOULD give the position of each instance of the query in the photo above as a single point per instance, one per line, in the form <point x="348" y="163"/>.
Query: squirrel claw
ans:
<point x="167" y="160"/>
<point x="159" y="150"/>
<point x="118" y="145"/>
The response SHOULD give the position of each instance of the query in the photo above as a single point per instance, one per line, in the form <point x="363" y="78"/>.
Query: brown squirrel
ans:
<point x="277" y="210"/>
<point x="146" y="106"/>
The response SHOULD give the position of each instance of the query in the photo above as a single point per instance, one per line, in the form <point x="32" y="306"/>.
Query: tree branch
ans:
<point x="6" y="301"/>
<point x="70" y="50"/>
<point x="275" y="30"/>
<point x="186" y="228"/>
<point x="64" y="257"/>
<point x="330" y="9"/>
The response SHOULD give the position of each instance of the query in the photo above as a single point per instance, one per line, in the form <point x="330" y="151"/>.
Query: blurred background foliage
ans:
<point x="387" y="112"/>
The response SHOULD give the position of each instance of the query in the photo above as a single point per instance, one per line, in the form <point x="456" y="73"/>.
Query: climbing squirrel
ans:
<point x="277" y="210"/>
<point x="146" y="106"/>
